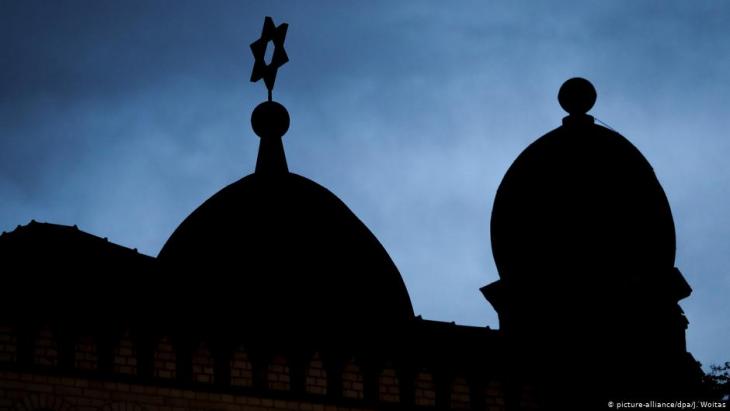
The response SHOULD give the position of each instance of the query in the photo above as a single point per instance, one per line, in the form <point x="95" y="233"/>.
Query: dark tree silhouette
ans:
<point x="718" y="381"/>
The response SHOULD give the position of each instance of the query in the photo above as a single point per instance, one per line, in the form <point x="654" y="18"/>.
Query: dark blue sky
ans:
<point x="122" y="117"/>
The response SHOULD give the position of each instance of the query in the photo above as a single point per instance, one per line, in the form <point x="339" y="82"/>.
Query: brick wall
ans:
<point x="125" y="356"/>
<point x="8" y="344"/>
<point x="45" y="350"/>
<point x="460" y="398"/>
<point x="388" y="386"/>
<point x="494" y="396"/>
<point x="83" y="385"/>
<point x="425" y="389"/>
<point x="85" y="353"/>
<point x="203" y="365"/>
<point x="165" y="359"/>
<point x="277" y="375"/>
<point x="241" y="369"/>
<point x="32" y="391"/>
<point x="316" y="376"/>
<point x="352" y="381"/>
<point x="29" y="392"/>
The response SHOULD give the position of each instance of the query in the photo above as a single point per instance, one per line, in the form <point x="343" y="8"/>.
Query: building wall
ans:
<point x="44" y="383"/>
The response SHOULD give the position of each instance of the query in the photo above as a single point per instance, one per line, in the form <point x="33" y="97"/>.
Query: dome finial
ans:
<point x="270" y="120"/>
<point x="577" y="96"/>
<point x="269" y="34"/>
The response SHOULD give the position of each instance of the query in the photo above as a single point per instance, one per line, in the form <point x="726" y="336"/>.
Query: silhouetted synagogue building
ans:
<point x="273" y="295"/>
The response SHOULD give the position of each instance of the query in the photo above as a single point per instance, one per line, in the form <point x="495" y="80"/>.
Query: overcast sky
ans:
<point x="122" y="117"/>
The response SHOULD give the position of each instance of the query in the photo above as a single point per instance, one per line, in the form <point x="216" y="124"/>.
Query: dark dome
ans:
<point x="278" y="250"/>
<point x="584" y="241"/>
<point x="581" y="202"/>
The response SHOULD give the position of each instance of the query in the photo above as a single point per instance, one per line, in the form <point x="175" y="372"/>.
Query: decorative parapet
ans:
<point x="429" y="380"/>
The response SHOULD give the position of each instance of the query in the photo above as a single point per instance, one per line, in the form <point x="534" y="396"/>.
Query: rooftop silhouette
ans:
<point x="272" y="289"/>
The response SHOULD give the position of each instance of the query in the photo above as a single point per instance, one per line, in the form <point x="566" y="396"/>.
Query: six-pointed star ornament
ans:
<point x="276" y="35"/>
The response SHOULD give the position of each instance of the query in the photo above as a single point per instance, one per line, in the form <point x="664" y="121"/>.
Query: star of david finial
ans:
<point x="276" y="35"/>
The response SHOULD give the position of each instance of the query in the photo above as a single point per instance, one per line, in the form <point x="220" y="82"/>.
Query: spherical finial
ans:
<point x="577" y="96"/>
<point x="270" y="119"/>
